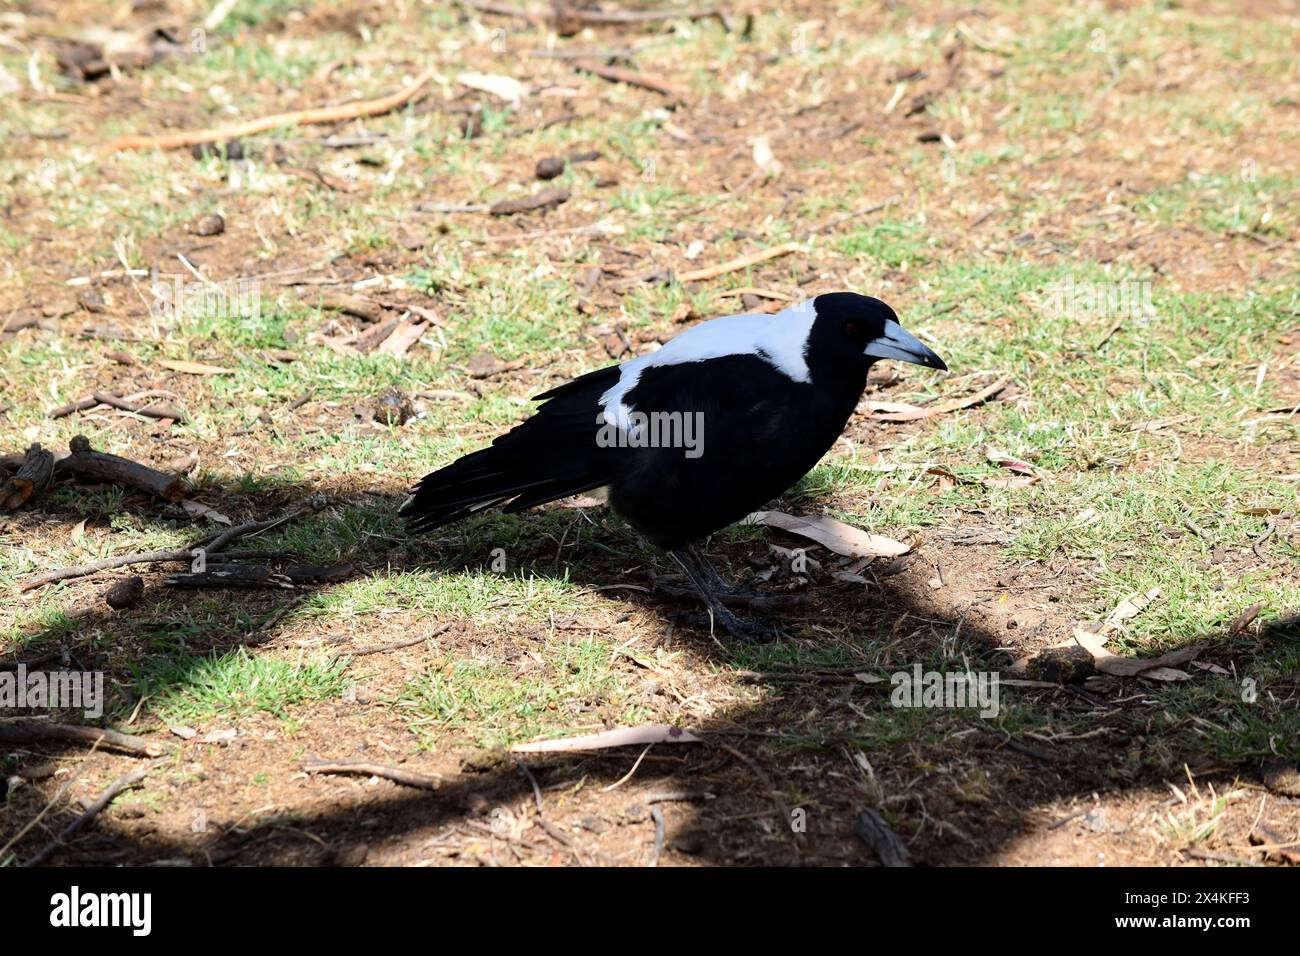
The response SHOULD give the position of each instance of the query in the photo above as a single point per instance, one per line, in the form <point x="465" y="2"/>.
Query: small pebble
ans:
<point x="210" y="224"/>
<point x="549" y="167"/>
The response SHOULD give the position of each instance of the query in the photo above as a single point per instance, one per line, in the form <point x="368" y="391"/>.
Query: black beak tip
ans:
<point x="937" y="363"/>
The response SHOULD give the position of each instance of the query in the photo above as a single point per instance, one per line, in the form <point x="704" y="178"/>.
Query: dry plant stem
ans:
<point x="323" y="114"/>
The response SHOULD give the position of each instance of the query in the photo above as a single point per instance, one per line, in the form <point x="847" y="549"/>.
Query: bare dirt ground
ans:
<point x="960" y="163"/>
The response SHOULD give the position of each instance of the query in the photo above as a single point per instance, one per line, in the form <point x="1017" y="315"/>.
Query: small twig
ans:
<point x="111" y="793"/>
<point x="1011" y="743"/>
<point x="679" y="796"/>
<point x="857" y="214"/>
<point x="616" y="74"/>
<point x="325" y="114"/>
<point x="735" y="265"/>
<point x="628" y="776"/>
<point x="537" y="790"/>
<point x="150" y="411"/>
<point x="408" y="778"/>
<point x="657" y="816"/>
<point x="396" y="646"/>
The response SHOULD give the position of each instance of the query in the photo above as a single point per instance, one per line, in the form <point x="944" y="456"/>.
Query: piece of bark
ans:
<point x="353" y="305"/>
<point x="32" y="475"/>
<point x="300" y="574"/>
<point x="86" y="464"/>
<point x="234" y="576"/>
<point x="543" y="199"/>
<point x="871" y="828"/>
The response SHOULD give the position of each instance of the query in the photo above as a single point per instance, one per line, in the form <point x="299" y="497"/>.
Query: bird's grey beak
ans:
<point x="899" y="344"/>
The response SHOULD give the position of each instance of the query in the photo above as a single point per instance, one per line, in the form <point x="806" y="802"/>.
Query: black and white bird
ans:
<point x="690" y="438"/>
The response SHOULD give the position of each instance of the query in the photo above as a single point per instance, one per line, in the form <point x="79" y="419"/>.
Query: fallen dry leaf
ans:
<point x="502" y="87"/>
<point x="1154" y="668"/>
<point x="1129" y="608"/>
<point x="839" y="537"/>
<point x="619" y="737"/>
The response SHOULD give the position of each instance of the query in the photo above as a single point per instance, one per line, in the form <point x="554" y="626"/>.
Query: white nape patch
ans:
<point x="778" y="339"/>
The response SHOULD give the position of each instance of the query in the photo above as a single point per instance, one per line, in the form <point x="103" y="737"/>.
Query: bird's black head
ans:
<point x="859" y="329"/>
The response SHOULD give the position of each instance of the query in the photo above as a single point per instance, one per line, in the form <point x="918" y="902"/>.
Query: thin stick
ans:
<point x="152" y="411"/>
<point x="27" y="732"/>
<point x="657" y="816"/>
<point x="211" y="543"/>
<point x="396" y="646"/>
<point x="407" y="778"/>
<point x="616" y="74"/>
<point x="537" y="790"/>
<point x="324" y="114"/>
<point x="122" y="783"/>
<point x="735" y="265"/>
<point x="627" y="776"/>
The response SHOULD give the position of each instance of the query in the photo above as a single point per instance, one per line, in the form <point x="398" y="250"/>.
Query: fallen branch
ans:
<point x="235" y="576"/>
<point x="111" y="793"/>
<point x="324" y="114"/>
<point x="85" y="464"/>
<point x="36" y="731"/>
<point x="211" y="543"/>
<point x="407" y="778"/>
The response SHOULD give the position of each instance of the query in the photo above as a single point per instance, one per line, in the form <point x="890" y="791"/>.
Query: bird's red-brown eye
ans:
<point x="855" y="330"/>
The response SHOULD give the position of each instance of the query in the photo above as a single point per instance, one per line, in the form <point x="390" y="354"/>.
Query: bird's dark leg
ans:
<point x="716" y="583"/>
<point x="701" y="574"/>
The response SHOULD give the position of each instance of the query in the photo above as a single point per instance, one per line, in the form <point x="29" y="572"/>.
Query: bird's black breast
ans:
<point x="759" y="431"/>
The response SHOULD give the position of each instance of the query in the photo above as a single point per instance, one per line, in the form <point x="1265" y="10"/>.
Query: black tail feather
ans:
<point x="550" y="456"/>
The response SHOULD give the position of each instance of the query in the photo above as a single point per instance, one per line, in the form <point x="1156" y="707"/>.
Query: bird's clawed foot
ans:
<point x="714" y="591"/>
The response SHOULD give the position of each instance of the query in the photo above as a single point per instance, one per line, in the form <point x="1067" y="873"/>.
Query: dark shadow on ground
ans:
<point x="816" y="747"/>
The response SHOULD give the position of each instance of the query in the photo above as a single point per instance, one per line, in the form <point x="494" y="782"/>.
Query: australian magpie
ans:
<point x="692" y="437"/>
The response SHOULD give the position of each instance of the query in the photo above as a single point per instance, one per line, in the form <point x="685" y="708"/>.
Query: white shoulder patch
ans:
<point x="779" y="339"/>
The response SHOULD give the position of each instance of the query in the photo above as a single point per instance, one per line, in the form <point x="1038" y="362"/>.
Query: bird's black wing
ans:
<point x="552" y="455"/>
